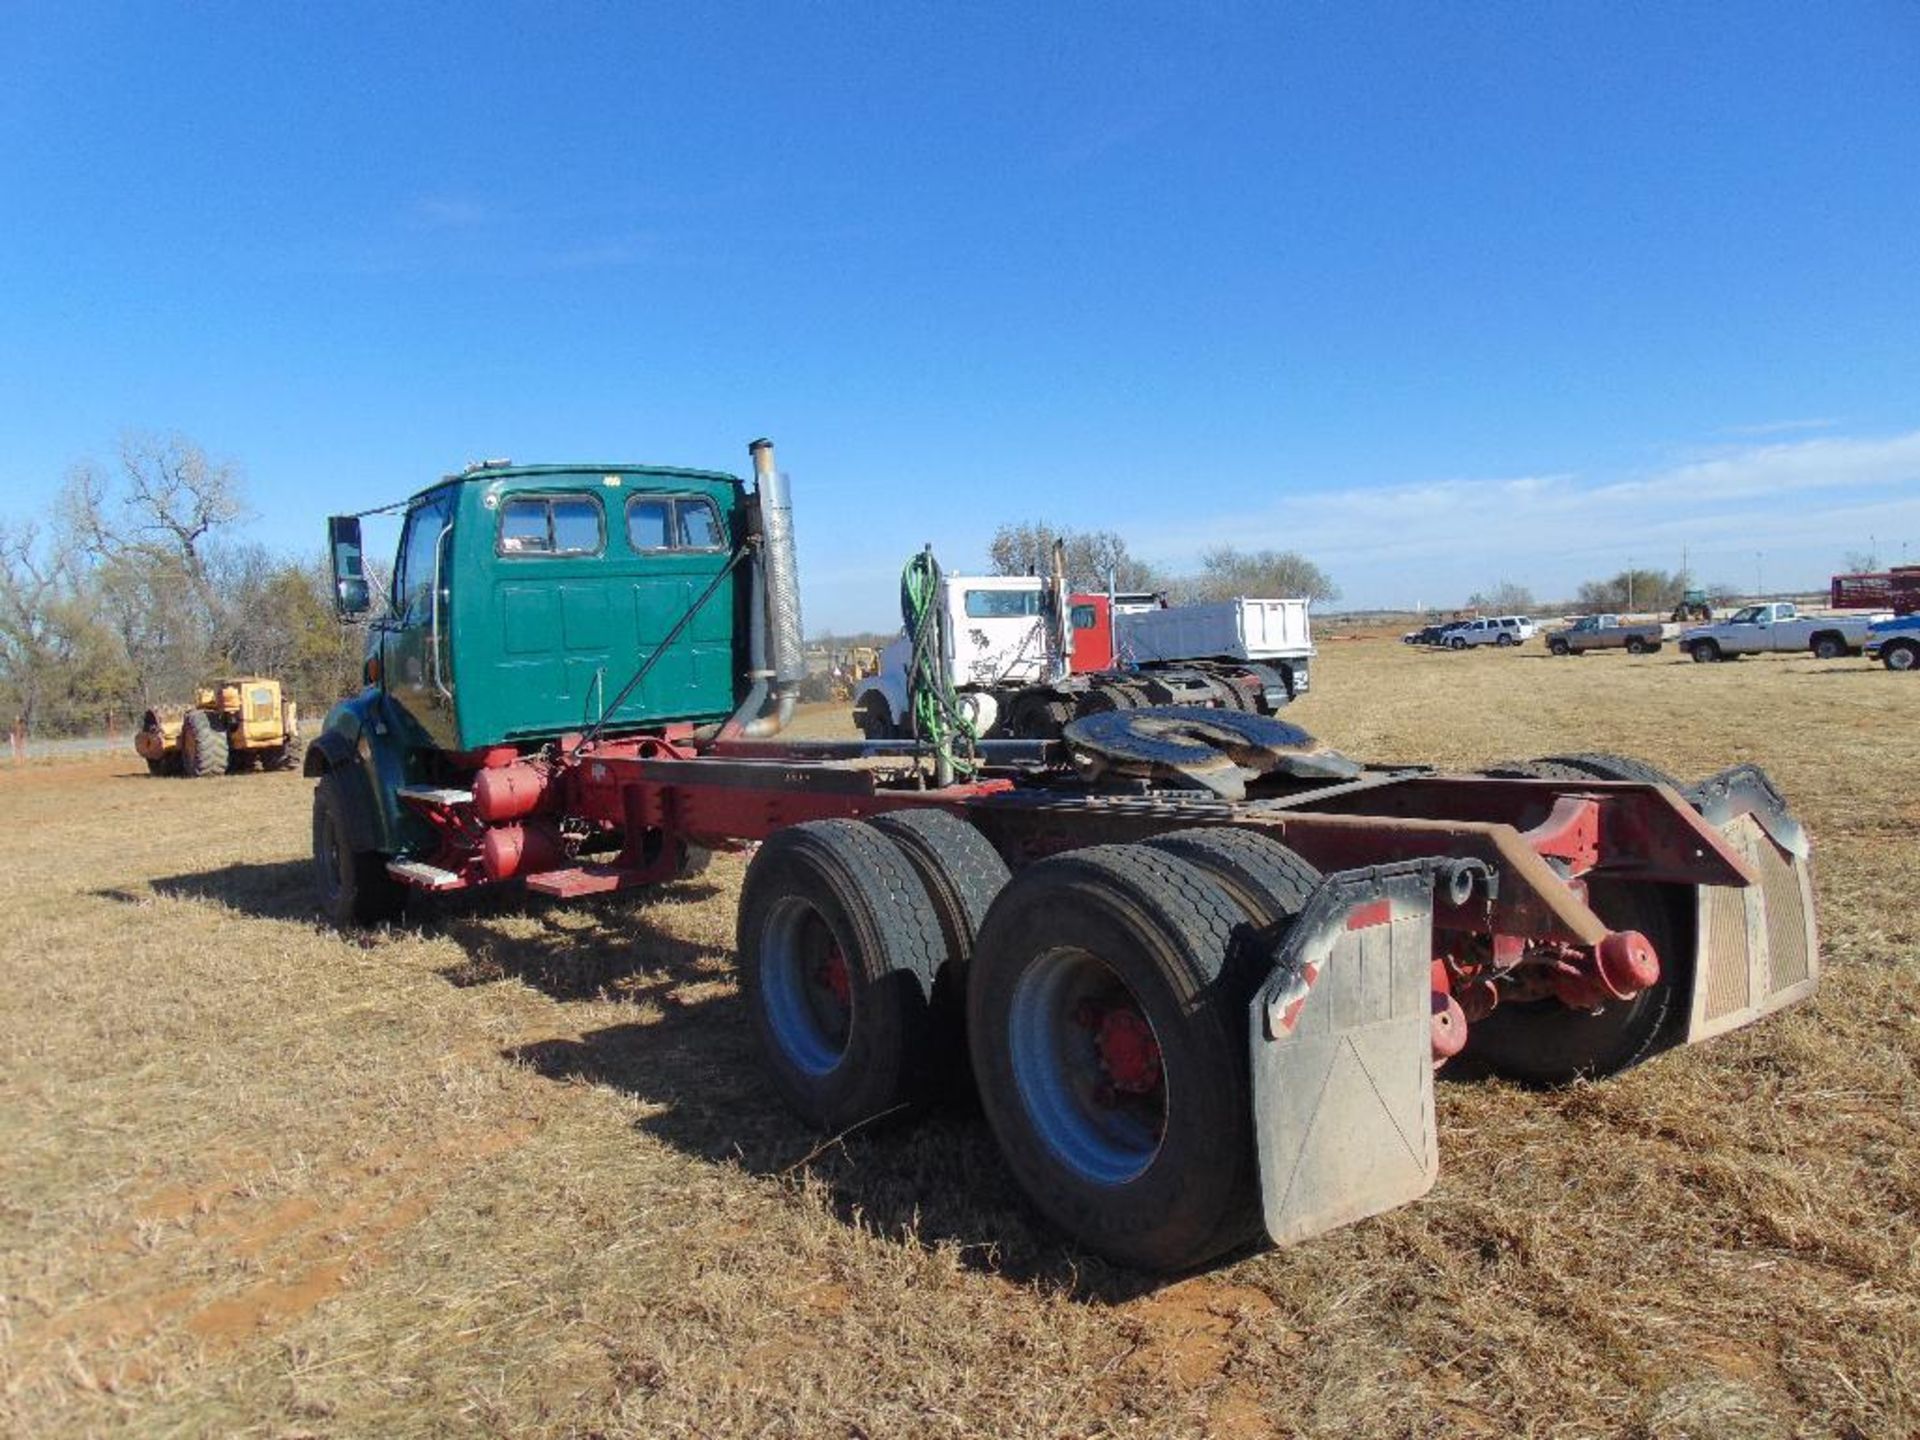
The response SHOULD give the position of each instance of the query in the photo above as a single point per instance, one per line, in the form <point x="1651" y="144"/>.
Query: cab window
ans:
<point x="550" y="525"/>
<point x="1084" y="617"/>
<point x="674" y="522"/>
<point x="413" y="576"/>
<point x="1002" y="604"/>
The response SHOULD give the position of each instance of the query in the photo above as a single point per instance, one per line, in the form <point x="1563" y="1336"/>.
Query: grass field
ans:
<point x="513" y="1171"/>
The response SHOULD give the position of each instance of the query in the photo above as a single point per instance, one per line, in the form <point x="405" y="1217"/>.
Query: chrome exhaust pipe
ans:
<point x="776" y="655"/>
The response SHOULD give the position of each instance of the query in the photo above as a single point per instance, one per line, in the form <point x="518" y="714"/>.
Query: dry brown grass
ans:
<point x="514" y="1171"/>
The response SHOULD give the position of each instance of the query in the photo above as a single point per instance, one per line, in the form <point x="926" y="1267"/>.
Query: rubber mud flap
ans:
<point x="1758" y="949"/>
<point x="1340" y="1039"/>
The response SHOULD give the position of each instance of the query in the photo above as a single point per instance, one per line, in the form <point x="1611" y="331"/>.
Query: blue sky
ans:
<point x="1440" y="294"/>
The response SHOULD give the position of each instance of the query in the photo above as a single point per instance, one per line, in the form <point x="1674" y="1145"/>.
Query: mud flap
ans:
<point x="1757" y="950"/>
<point x="1341" y="1048"/>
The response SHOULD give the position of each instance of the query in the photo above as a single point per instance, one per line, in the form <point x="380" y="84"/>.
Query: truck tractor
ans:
<point x="1027" y="656"/>
<point x="1200" y="965"/>
<point x="239" y="724"/>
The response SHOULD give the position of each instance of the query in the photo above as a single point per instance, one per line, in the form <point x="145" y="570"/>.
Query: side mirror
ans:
<point x="351" y="598"/>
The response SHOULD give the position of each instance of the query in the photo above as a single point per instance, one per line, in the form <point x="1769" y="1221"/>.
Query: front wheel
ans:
<point x="874" y="719"/>
<point x="352" y="886"/>
<point x="1456" y="644"/>
<point x="1705" y="652"/>
<point x="1901" y="655"/>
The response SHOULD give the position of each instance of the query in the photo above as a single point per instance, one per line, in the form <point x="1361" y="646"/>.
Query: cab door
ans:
<point x="417" y="644"/>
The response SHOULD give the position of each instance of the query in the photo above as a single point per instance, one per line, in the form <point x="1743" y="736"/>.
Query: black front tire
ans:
<point x="874" y="720"/>
<point x="1901" y="655"/>
<point x="352" y="886"/>
<point x="1704" y="652"/>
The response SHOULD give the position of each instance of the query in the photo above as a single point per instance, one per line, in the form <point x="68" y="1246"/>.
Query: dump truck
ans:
<point x="1201" y="966"/>
<point x="243" y="723"/>
<point x="1028" y="656"/>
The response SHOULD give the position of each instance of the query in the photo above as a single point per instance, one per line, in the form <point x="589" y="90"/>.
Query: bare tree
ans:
<point x="1506" y="598"/>
<point x="1092" y="555"/>
<point x="1227" y="573"/>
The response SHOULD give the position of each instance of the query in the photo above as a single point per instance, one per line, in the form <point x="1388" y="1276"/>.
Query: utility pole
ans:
<point x="1759" y="586"/>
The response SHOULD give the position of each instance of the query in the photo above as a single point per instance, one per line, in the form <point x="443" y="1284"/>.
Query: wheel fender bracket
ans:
<point x="1341" y="1048"/>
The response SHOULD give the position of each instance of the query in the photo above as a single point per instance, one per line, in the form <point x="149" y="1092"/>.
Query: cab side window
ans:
<point x="413" y="576"/>
<point x="674" y="522"/>
<point x="550" y="525"/>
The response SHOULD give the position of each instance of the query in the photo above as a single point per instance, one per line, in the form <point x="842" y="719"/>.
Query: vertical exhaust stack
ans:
<point x="777" y="661"/>
<point x="786" y="651"/>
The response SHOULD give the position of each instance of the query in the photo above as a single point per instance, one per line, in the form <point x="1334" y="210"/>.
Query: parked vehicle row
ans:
<point x="1771" y="627"/>
<point x="1500" y="630"/>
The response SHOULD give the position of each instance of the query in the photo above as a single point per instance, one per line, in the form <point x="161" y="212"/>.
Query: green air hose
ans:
<point x="932" y="706"/>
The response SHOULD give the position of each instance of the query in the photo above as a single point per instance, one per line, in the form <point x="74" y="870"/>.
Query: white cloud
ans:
<point x="1787" y="510"/>
<point x="1777" y="427"/>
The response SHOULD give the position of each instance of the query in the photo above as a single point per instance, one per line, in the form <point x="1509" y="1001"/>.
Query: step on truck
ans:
<point x="1203" y="966"/>
<point x="1027" y="656"/>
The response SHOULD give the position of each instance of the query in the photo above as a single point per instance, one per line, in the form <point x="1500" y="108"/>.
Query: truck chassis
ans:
<point x="1191" y="1016"/>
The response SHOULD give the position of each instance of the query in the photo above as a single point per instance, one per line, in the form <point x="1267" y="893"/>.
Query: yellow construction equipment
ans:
<point x="233" y="725"/>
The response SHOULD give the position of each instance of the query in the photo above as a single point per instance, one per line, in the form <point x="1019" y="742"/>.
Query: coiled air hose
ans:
<point x="933" y="709"/>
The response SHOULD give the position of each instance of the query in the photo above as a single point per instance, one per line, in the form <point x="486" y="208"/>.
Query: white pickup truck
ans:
<point x="1777" y="627"/>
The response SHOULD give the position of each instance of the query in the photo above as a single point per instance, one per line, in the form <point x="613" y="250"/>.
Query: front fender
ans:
<point x="891" y="690"/>
<point x="359" y="742"/>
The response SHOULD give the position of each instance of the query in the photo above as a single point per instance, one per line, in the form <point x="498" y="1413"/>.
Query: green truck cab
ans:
<point x="530" y="604"/>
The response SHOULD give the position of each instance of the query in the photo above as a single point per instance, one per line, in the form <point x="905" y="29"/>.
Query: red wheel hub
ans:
<point x="1128" y="1052"/>
<point x="831" y="974"/>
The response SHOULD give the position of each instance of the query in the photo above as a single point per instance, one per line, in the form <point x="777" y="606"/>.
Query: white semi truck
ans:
<point x="1026" y="657"/>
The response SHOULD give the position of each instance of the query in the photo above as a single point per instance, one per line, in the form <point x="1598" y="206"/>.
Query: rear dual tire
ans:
<point x="1147" y="954"/>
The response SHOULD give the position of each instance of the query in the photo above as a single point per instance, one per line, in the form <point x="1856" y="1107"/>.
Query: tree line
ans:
<point x="139" y="587"/>
<point x="1092" y="556"/>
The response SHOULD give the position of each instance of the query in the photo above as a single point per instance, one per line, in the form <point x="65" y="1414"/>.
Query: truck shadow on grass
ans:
<point x="929" y="1177"/>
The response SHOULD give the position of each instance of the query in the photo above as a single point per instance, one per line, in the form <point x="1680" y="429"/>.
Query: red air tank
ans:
<point x="509" y="792"/>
